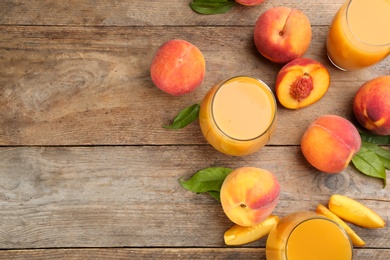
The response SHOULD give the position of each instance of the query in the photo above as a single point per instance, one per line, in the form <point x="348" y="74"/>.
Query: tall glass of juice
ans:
<point x="305" y="235"/>
<point x="238" y="116"/>
<point x="359" y="35"/>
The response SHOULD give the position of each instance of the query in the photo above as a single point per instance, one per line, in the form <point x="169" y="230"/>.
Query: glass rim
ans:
<point x="266" y="87"/>
<point x="357" y="38"/>
<point x="322" y="218"/>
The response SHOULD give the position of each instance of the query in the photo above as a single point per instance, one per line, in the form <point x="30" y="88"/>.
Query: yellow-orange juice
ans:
<point x="359" y="35"/>
<point x="306" y="236"/>
<point x="237" y="116"/>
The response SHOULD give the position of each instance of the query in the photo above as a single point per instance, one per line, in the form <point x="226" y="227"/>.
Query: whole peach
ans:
<point x="249" y="195"/>
<point x="249" y="2"/>
<point x="330" y="142"/>
<point x="301" y="82"/>
<point x="371" y="105"/>
<point x="282" y="34"/>
<point x="178" y="67"/>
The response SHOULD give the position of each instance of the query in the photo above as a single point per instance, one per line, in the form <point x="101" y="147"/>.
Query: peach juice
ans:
<point x="237" y="117"/>
<point x="359" y="35"/>
<point x="306" y="235"/>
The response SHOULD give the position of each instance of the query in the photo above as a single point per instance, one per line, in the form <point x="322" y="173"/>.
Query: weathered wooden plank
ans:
<point x="82" y="86"/>
<point x="142" y="13"/>
<point x="129" y="196"/>
<point x="76" y="74"/>
<point x="165" y="253"/>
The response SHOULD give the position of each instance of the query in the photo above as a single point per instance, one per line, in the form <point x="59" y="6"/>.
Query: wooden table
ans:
<point x="86" y="169"/>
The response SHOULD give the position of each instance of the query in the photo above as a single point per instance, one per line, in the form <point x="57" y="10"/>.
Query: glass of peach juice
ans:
<point x="359" y="34"/>
<point x="238" y="115"/>
<point x="305" y="235"/>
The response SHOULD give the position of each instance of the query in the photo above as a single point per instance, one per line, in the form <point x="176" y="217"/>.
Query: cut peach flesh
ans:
<point x="239" y="235"/>
<point x="354" y="212"/>
<point x="320" y="79"/>
<point x="324" y="211"/>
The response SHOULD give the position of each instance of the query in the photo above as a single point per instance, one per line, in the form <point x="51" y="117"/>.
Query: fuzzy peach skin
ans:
<point x="249" y="2"/>
<point x="249" y="195"/>
<point x="282" y="34"/>
<point x="178" y="67"/>
<point x="301" y="82"/>
<point x="330" y="142"/>
<point x="371" y="105"/>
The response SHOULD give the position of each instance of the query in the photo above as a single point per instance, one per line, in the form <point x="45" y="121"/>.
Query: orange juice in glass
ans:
<point x="359" y="35"/>
<point x="238" y="116"/>
<point x="306" y="235"/>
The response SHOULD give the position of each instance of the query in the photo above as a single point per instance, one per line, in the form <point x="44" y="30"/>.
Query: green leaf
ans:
<point x="373" y="138"/>
<point x="211" y="6"/>
<point x="185" y="117"/>
<point x="208" y="180"/>
<point x="215" y="195"/>
<point x="371" y="160"/>
<point x="383" y="154"/>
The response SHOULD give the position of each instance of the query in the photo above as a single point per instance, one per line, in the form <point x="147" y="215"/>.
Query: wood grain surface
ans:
<point x="88" y="172"/>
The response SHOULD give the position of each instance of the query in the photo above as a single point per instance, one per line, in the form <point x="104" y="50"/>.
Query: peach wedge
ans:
<point x="239" y="235"/>
<point x="324" y="211"/>
<point x="301" y="82"/>
<point x="354" y="212"/>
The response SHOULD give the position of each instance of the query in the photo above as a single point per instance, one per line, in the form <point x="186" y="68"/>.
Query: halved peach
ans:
<point x="301" y="82"/>
<point x="239" y="235"/>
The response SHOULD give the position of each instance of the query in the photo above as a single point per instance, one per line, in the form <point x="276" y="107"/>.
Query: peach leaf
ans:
<point x="372" y="160"/>
<point x="185" y="117"/>
<point x="207" y="180"/>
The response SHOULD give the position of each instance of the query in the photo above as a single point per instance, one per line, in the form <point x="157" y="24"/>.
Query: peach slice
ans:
<point x="355" y="212"/>
<point x="239" y="235"/>
<point x="324" y="211"/>
<point x="301" y="82"/>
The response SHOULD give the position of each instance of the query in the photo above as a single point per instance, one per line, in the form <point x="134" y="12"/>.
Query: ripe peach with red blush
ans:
<point x="178" y="67"/>
<point x="371" y="105"/>
<point x="249" y="195"/>
<point x="249" y="2"/>
<point x="330" y="142"/>
<point x="282" y="34"/>
<point x="301" y="82"/>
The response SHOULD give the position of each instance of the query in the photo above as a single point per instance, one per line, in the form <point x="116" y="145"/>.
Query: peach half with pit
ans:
<point x="249" y="2"/>
<point x="178" y="67"/>
<point x="301" y="82"/>
<point x="282" y="34"/>
<point x="249" y="195"/>
<point x="330" y="142"/>
<point x="371" y="105"/>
